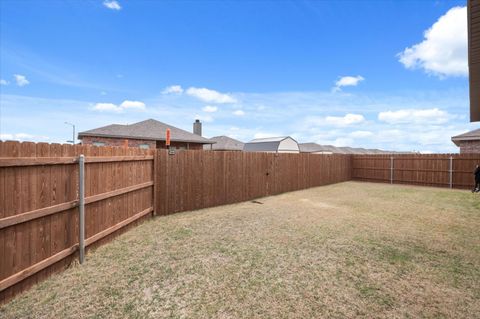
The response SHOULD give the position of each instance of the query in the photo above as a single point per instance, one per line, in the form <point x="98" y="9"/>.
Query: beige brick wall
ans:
<point x="467" y="147"/>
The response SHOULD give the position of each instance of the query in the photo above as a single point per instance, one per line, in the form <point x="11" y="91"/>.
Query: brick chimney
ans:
<point x="197" y="127"/>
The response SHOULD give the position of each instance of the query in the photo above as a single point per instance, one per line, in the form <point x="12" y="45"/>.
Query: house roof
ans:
<point x="224" y="143"/>
<point x="314" y="148"/>
<point x="348" y="150"/>
<point x="269" y="139"/>
<point x="469" y="136"/>
<point x="147" y="130"/>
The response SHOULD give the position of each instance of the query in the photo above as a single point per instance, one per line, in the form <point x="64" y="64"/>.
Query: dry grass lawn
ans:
<point x="340" y="251"/>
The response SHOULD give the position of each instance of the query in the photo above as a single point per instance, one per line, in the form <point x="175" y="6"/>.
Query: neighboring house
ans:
<point x="146" y="134"/>
<point x="468" y="142"/>
<point x="284" y="144"/>
<point x="224" y="143"/>
<point x="314" y="148"/>
<point x="474" y="58"/>
<point x="355" y="150"/>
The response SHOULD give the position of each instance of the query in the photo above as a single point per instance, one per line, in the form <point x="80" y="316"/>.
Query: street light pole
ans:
<point x="73" y="135"/>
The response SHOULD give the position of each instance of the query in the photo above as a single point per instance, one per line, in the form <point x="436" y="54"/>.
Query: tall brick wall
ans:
<point x="109" y="141"/>
<point x="469" y="147"/>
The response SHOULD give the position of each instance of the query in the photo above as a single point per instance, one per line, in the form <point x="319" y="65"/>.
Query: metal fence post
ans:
<point x="391" y="170"/>
<point x="81" y="208"/>
<point x="450" y="172"/>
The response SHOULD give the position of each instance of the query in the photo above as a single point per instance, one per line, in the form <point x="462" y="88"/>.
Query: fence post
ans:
<point x="391" y="170"/>
<point x="450" y="172"/>
<point x="81" y="208"/>
<point x="154" y="172"/>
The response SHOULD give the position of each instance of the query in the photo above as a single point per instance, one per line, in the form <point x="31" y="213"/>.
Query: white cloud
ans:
<point x="431" y="116"/>
<point x="210" y="96"/>
<point x="443" y="52"/>
<point x="23" y="137"/>
<point x="210" y="109"/>
<point x="132" y="105"/>
<point x="5" y="137"/>
<point x="204" y="118"/>
<point x="435" y="136"/>
<point x="391" y="134"/>
<point x="349" y="119"/>
<point x="299" y="114"/>
<point x="266" y="135"/>
<point x="173" y="89"/>
<point x="239" y="113"/>
<point x="21" y="80"/>
<point x="348" y="81"/>
<point x="112" y="4"/>
<point x="110" y="107"/>
<point x="343" y="141"/>
<point x="4" y="82"/>
<point x="419" y="137"/>
<point x="361" y="134"/>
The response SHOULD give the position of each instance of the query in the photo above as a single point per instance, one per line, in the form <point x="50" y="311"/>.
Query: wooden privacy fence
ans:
<point x="39" y="194"/>
<point x="192" y="180"/>
<point x="441" y="170"/>
<point x="39" y="198"/>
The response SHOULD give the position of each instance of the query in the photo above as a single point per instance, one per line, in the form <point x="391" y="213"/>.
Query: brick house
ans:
<point x="145" y="134"/>
<point x="468" y="142"/>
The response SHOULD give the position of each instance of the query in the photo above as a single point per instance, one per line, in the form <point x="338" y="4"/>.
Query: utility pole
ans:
<point x="73" y="135"/>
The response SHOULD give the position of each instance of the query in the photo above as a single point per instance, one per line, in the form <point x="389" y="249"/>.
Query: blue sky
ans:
<point x="383" y="74"/>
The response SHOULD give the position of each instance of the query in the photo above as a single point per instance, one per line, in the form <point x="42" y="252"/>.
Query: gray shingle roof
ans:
<point x="261" y="146"/>
<point x="268" y="139"/>
<point x="148" y="130"/>
<point x="224" y="143"/>
<point x="469" y="136"/>
<point x="346" y="150"/>
<point x="314" y="147"/>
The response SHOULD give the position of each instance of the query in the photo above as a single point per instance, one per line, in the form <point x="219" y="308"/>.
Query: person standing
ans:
<point x="476" y="188"/>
